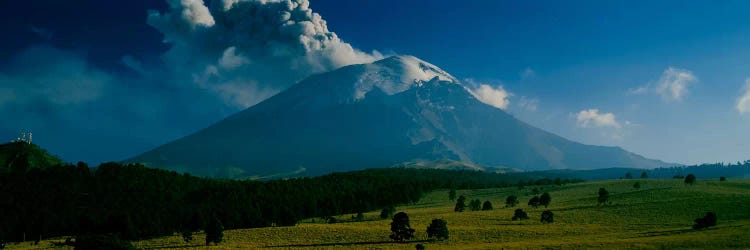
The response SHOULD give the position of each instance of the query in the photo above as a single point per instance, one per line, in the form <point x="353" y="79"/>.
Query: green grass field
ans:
<point x="659" y="215"/>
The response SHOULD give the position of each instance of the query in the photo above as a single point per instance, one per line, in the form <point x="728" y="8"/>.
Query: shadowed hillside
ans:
<point x="22" y="155"/>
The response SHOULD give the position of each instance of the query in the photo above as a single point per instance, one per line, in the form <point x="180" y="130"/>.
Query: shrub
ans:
<point x="707" y="221"/>
<point x="487" y="205"/>
<point x="637" y="185"/>
<point x="438" y="229"/>
<point x="511" y="201"/>
<point x="644" y="175"/>
<point x="628" y="176"/>
<point x="722" y="178"/>
<point x="400" y="228"/>
<point x="547" y="216"/>
<point x="519" y="214"/>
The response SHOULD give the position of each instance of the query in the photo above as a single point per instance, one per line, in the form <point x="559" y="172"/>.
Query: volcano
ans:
<point x="393" y="111"/>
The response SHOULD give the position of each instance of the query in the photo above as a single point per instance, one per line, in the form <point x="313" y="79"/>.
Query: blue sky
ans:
<point x="660" y="78"/>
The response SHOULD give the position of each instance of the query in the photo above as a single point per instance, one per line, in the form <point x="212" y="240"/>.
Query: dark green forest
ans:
<point x="136" y="202"/>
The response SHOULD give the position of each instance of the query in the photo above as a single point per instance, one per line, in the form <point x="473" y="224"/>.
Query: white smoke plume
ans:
<point x="244" y="51"/>
<point x="497" y="97"/>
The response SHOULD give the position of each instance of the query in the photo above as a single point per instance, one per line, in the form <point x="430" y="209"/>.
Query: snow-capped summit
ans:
<point x="396" y="74"/>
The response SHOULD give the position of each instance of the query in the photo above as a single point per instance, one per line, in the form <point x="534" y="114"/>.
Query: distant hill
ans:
<point x="398" y="110"/>
<point x="702" y="171"/>
<point x="25" y="155"/>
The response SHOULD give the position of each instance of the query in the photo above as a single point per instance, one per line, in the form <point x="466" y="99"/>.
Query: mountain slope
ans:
<point x="399" y="109"/>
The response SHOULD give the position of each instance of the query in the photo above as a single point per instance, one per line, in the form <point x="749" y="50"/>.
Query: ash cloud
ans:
<point x="244" y="51"/>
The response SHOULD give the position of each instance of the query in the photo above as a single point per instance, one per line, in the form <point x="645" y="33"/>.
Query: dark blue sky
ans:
<point x="661" y="78"/>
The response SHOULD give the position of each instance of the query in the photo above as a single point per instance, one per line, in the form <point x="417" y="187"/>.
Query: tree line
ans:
<point x="135" y="202"/>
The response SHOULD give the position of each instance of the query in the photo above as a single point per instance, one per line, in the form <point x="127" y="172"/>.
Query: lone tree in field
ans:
<point x="547" y="216"/>
<point x="452" y="195"/>
<point x="707" y="221"/>
<point x="644" y="175"/>
<point x="400" y="228"/>
<point x="519" y="214"/>
<point x="545" y="199"/>
<point x="722" y="178"/>
<point x="603" y="196"/>
<point x="487" y="205"/>
<point x="460" y="204"/>
<point x="534" y="202"/>
<point x="637" y="185"/>
<point x="628" y="176"/>
<point x="438" y="229"/>
<point x="690" y="179"/>
<point x="475" y="205"/>
<point x="511" y="201"/>
<point x="214" y="231"/>
<point x="387" y="212"/>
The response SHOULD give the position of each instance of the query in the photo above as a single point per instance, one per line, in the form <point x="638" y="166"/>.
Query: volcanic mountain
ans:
<point x="393" y="111"/>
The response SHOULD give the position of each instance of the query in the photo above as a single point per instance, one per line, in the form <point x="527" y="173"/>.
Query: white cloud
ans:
<point x="592" y="118"/>
<point x="249" y="45"/>
<point x="673" y="84"/>
<point x="743" y="103"/>
<point x="529" y="104"/>
<point x="496" y="97"/>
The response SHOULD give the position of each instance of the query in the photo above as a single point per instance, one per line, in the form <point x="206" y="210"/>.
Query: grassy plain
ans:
<point x="659" y="215"/>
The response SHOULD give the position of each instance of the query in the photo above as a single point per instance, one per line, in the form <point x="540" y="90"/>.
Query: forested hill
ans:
<point x="136" y="202"/>
<point x="22" y="155"/>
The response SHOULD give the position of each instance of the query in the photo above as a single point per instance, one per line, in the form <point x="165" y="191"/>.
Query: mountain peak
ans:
<point x="415" y="69"/>
<point x="396" y="74"/>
